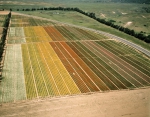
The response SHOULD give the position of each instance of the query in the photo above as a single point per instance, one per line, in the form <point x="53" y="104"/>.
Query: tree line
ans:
<point x="146" y="9"/>
<point x="3" y="41"/>
<point x="110" y="23"/>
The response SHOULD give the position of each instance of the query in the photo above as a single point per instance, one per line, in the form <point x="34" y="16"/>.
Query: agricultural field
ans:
<point x="22" y="21"/>
<point x="46" y="59"/>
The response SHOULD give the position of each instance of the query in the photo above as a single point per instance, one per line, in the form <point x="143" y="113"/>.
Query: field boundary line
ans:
<point x="32" y="71"/>
<point x="49" y="69"/>
<point x="57" y="69"/>
<point x="33" y="46"/>
<point x="74" y="70"/>
<point x="80" y="66"/>
<point x="124" y="65"/>
<point x="103" y="67"/>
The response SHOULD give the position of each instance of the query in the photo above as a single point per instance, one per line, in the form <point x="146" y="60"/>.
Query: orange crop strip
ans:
<point x="64" y="73"/>
<point x="70" y="68"/>
<point x="41" y="34"/>
<point x="54" y="34"/>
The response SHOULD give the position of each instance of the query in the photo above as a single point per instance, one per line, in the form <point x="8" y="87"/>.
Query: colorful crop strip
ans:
<point x="59" y="33"/>
<point x="98" y="69"/>
<point x="45" y="75"/>
<point x="67" y="68"/>
<point x="74" y="34"/>
<point x="36" y="34"/>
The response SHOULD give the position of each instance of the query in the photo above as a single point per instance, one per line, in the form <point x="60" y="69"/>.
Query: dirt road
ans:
<point x="133" y="103"/>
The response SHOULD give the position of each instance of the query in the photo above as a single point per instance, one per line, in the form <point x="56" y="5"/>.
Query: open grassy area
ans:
<point x="119" y="12"/>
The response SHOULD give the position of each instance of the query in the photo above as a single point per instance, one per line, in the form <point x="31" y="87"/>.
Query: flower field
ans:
<point x="45" y="59"/>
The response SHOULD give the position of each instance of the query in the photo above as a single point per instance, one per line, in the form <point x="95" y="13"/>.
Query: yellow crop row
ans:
<point x="32" y="39"/>
<point x="62" y="70"/>
<point x="29" y="32"/>
<point x="51" y="86"/>
<point x="40" y="84"/>
<point x="29" y="81"/>
<point x="41" y="33"/>
<point x="55" y="73"/>
<point x="37" y="33"/>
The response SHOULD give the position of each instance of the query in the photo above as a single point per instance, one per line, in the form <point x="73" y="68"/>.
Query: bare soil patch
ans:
<point x="127" y="24"/>
<point x="4" y="12"/>
<point x="127" y="103"/>
<point x="102" y="15"/>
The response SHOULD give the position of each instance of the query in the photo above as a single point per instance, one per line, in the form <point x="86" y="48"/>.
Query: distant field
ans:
<point x="46" y="59"/>
<point x="81" y="20"/>
<point x="122" y="13"/>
